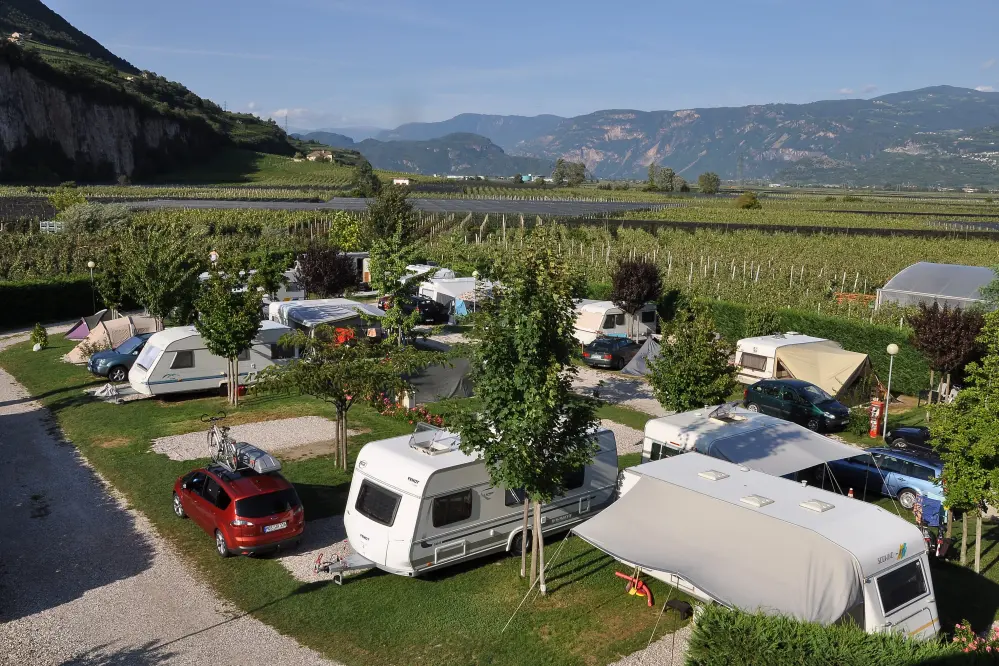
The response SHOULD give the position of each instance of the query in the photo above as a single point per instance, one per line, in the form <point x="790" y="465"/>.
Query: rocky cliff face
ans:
<point x="48" y="132"/>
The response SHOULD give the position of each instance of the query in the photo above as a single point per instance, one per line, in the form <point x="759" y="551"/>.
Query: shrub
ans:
<point x="600" y="291"/>
<point x="733" y="638"/>
<point x="39" y="336"/>
<point x="749" y="201"/>
<point x="852" y="199"/>
<point x="50" y="300"/>
<point x="88" y="349"/>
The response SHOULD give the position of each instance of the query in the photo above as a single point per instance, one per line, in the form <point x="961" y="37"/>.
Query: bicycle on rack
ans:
<point x="221" y="447"/>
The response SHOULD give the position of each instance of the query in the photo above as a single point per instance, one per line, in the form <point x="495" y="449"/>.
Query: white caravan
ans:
<point x="339" y="312"/>
<point x="176" y="360"/>
<point x="417" y="503"/>
<point x="795" y="356"/>
<point x="292" y="290"/>
<point x="603" y="318"/>
<point x="724" y="533"/>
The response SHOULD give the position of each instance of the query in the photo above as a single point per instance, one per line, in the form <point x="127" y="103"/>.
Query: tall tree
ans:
<point x="692" y="368"/>
<point x="341" y="371"/>
<point x="966" y="435"/>
<point x="345" y="231"/>
<point x="530" y="430"/>
<point x="635" y="283"/>
<point x="518" y="179"/>
<point x="653" y="181"/>
<point x="364" y="182"/>
<point x="160" y="270"/>
<point x="228" y="319"/>
<point x="269" y="272"/>
<point x="946" y="337"/>
<point x="708" y="182"/>
<point x="666" y="179"/>
<point x="326" y="271"/>
<point x="391" y="213"/>
<point x="110" y="278"/>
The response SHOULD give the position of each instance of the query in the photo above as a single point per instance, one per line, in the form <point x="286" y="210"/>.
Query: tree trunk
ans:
<point x="523" y="539"/>
<point x="978" y="543"/>
<point x="541" y="547"/>
<point x="950" y="523"/>
<point x="964" y="539"/>
<point x="343" y="439"/>
<point x="235" y="382"/>
<point x="931" y="380"/>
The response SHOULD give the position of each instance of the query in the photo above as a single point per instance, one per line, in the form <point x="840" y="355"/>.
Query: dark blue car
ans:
<point x="903" y="475"/>
<point x="115" y="363"/>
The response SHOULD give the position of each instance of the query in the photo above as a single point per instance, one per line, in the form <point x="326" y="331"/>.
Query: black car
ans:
<point x="798" y="401"/>
<point x="610" y="352"/>
<point x="916" y="438"/>
<point x="431" y="312"/>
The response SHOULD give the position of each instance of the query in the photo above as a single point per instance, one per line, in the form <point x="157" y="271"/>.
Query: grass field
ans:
<point x="454" y="617"/>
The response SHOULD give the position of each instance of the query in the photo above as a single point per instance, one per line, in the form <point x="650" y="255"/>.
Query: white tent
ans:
<point x="110" y="333"/>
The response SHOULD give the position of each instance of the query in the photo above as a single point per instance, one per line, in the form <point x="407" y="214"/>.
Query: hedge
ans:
<point x="54" y="299"/>
<point x="911" y="373"/>
<point x="732" y="638"/>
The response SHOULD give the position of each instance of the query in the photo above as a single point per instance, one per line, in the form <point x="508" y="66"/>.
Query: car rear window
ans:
<point x="258" y="506"/>
<point x="377" y="503"/>
<point x="899" y="587"/>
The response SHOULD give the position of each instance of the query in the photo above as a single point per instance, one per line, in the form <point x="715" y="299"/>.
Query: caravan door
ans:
<point x="906" y="600"/>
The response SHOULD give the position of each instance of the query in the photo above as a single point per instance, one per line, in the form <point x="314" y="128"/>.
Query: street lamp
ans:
<point x="213" y="256"/>
<point x="93" y="295"/>
<point x="892" y="349"/>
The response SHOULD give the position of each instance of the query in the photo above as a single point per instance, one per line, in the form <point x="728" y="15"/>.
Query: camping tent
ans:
<point x="111" y="333"/>
<point x="440" y="382"/>
<point x="825" y="364"/>
<point x="947" y="284"/>
<point x="83" y="327"/>
<point x="639" y="365"/>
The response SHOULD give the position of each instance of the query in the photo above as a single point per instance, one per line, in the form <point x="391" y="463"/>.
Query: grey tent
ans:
<point x="947" y="284"/>
<point x="639" y="365"/>
<point x="441" y="382"/>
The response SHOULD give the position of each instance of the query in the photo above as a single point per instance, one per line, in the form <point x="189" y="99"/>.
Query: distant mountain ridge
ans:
<point x="458" y="153"/>
<point x="331" y="139"/>
<point x="833" y="138"/>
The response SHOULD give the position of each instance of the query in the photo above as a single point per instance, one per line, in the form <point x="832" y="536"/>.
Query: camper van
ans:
<point x="596" y="318"/>
<point x="176" y="360"/>
<point x="763" y="543"/>
<point x="795" y="356"/>
<point x="338" y="312"/>
<point x="417" y="503"/>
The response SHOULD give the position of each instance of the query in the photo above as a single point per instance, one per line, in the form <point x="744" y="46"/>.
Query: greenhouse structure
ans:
<point x="950" y="285"/>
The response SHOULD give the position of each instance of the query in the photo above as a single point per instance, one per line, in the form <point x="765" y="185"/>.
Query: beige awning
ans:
<point x="825" y="364"/>
<point x="590" y="321"/>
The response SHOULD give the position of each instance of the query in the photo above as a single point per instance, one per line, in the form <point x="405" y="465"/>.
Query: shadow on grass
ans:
<point x="322" y="501"/>
<point x="964" y="595"/>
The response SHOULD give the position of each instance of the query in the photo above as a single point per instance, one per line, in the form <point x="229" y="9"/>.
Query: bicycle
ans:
<point x="221" y="447"/>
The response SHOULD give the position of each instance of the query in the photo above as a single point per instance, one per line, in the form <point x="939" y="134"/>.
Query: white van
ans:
<point x="597" y="318"/>
<point x="725" y="533"/>
<point x="176" y="360"/>
<point x="417" y="503"/>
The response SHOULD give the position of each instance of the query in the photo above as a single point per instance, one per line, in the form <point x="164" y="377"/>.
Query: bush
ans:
<point x="600" y="291"/>
<point x="852" y="199"/>
<point x="39" y="336"/>
<point x="910" y="373"/>
<point x="47" y="300"/>
<point x="733" y="638"/>
<point x="748" y="200"/>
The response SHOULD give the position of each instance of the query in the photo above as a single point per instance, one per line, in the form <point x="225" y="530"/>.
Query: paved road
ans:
<point x="84" y="580"/>
<point x="500" y="206"/>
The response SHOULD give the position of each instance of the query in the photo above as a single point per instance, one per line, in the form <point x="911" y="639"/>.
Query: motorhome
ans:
<point x="795" y="356"/>
<point x="728" y="534"/>
<point x="338" y="312"/>
<point x="417" y="503"/>
<point x="596" y="318"/>
<point x="291" y="290"/>
<point x="176" y="360"/>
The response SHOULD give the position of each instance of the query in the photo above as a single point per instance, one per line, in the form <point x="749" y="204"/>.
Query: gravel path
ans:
<point x="271" y="436"/>
<point x="628" y="439"/>
<point x="326" y="536"/>
<point x="83" y="579"/>
<point x="660" y="653"/>
<point x="619" y="390"/>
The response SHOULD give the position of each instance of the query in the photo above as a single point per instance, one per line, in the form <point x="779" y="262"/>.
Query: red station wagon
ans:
<point x="245" y="511"/>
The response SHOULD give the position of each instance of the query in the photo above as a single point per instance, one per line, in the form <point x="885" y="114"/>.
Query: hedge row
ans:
<point x="911" y="373"/>
<point x="28" y="302"/>
<point x="732" y="638"/>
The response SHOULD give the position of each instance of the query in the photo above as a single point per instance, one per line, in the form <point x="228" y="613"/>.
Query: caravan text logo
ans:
<point x="902" y="549"/>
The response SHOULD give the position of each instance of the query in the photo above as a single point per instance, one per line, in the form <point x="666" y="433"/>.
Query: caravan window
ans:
<point x="899" y="587"/>
<point x="147" y="357"/>
<point x="280" y="351"/>
<point x="244" y="355"/>
<point x="608" y="322"/>
<point x="182" y="359"/>
<point x="452" y="508"/>
<point x="377" y="503"/>
<point x="648" y="317"/>
<point x="753" y="362"/>
<point x="662" y="451"/>
<point x="574" y="479"/>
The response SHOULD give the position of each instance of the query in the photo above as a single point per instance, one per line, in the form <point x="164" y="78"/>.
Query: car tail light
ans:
<point x="298" y="510"/>
<point x="239" y="522"/>
<point x="745" y="394"/>
<point x="586" y="354"/>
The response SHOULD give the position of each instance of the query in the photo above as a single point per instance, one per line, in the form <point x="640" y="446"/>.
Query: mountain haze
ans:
<point x="459" y="153"/>
<point x="505" y="131"/>
<point x="331" y="139"/>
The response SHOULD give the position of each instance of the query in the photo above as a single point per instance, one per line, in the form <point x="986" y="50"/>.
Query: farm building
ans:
<point x="947" y="284"/>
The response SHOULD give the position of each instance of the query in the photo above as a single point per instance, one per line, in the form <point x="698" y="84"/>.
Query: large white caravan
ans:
<point x="792" y="355"/>
<point x="306" y="315"/>
<point x="597" y="318"/>
<point x="725" y="533"/>
<point x="417" y="503"/>
<point x="176" y="360"/>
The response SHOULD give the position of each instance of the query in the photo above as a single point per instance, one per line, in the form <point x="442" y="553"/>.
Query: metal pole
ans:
<point x="93" y="296"/>
<point x="891" y="365"/>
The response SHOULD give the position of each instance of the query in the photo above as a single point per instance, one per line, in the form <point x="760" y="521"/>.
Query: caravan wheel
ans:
<point x="518" y="541"/>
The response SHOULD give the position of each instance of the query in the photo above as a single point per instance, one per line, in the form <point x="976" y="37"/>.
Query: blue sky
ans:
<point x="329" y="63"/>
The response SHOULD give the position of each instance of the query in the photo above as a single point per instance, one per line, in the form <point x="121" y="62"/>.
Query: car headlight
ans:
<point x="101" y="362"/>
<point x="828" y="415"/>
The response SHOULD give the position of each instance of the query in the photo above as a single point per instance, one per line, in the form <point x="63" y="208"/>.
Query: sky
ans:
<point x="337" y="63"/>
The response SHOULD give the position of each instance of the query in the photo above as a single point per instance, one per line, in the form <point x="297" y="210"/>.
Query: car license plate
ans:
<point x="276" y="526"/>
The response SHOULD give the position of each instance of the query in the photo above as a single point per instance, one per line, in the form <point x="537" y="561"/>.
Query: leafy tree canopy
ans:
<point x="326" y="271"/>
<point x="708" y="183"/>
<point x="946" y="337"/>
<point x="635" y="283"/>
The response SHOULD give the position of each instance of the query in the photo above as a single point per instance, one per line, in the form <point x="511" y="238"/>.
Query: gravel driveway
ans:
<point x="83" y="579"/>
<point x="619" y="390"/>
<point x="670" y="650"/>
<point x="271" y="436"/>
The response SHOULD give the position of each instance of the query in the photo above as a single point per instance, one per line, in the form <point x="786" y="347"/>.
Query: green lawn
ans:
<point x="453" y="617"/>
<point x="244" y="166"/>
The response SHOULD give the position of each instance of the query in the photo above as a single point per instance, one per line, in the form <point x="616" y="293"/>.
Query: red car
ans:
<point x="245" y="511"/>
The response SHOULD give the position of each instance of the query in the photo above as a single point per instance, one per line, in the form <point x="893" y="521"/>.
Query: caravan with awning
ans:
<point x="795" y="356"/>
<point x="725" y="533"/>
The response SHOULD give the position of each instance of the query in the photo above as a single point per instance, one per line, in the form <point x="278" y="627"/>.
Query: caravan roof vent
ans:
<point x="713" y="475"/>
<point x="759" y="501"/>
<point x="817" y="506"/>
<point x="435" y="446"/>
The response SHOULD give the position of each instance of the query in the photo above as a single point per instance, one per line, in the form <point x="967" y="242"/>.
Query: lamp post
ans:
<point x="213" y="257"/>
<point x="93" y="295"/>
<point x="892" y="349"/>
